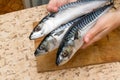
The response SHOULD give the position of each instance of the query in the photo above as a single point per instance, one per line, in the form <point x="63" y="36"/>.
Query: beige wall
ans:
<point x="10" y="5"/>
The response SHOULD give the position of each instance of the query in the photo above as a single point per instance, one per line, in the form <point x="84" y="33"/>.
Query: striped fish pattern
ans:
<point x="64" y="15"/>
<point x="53" y="39"/>
<point x="73" y="39"/>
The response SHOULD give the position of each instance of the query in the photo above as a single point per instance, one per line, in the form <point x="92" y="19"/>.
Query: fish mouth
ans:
<point x="37" y="34"/>
<point x="60" y="61"/>
<point x="37" y="52"/>
<point x="30" y="37"/>
<point x="34" y="36"/>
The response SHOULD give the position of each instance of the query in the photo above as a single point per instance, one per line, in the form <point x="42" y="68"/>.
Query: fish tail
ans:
<point x="113" y="2"/>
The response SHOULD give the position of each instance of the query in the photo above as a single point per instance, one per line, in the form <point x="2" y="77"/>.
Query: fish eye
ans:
<point x="41" y="47"/>
<point x="37" y="29"/>
<point x="44" y="47"/>
<point x="65" y="53"/>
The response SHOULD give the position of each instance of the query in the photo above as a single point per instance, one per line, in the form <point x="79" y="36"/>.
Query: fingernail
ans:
<point x="55" y="9"/>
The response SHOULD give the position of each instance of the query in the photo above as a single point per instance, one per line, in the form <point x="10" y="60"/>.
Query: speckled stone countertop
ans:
<point x="17" y="61"/>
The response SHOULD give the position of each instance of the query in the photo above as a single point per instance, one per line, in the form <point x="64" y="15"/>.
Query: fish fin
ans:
<point x="112" y="2"/>
<point x="77" y="35"/>
<point x="114" y="7"/>
<point x="47" y="48"/>
<point x="54" y="40"/>
<point x="52" y="14"/>
<point x="46" y="18"/>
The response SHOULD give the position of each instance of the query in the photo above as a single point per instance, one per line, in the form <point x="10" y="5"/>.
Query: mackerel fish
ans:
<point x="73" y="39"/>
<point x="53" y="39"/>
<point x="66" y="13"/>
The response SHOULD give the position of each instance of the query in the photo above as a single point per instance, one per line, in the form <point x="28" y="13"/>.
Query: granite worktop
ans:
<point x="17" y="61"/>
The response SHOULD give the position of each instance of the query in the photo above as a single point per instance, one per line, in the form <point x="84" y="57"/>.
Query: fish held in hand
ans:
<point x="73" y="38"/>
<point x="53" y="39"/>
<point x="65" y="14"/>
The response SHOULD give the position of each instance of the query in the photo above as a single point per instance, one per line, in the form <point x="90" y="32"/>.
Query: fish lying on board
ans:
<point x="66" y="13"/>
<point x="73" y="39"/>
<point x="53" y="39"/>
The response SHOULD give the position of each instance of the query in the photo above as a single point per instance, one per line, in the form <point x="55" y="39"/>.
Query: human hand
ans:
<point x="53" y="5"/>
<point x="104" y="25"/>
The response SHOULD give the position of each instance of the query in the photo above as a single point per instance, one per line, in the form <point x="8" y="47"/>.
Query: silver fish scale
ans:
<point x="55" y="32"/>
<point x="82" y="23"/>
<point x="67" y="44"/>
<point x="44" y="19"/>
<point x="66" y="25"/>
<point x="73" y="4"/>
<point x="68" y="6"/>
<point x="78" y="2"/>
<point x="90" y="17"/>
<point x="62" y="27"/>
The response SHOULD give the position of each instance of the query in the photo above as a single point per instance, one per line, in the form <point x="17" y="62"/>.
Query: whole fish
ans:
<point x="53" y="39"/>
<point x="73" y="39"/>
<point x="65" y="14"/>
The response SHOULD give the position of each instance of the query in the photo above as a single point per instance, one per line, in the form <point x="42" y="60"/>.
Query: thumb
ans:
<point x="52" y="6"/>
<point x="93" y="32"/>
<point x="103" y="22"/>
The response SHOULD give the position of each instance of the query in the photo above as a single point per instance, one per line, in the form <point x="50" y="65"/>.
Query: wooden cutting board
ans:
<point x="104" y="51"/>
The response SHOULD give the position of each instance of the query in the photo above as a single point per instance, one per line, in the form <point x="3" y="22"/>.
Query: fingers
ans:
<point x="97" y="37"/>
<point x="52" y="6"/>
<point x="101" y="28"/>
<point x="94" y="31"/>
<point x="52" y="9"/>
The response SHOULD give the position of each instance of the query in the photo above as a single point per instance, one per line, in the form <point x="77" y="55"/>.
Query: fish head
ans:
<point x="42" y="29"/>
<point x="65" y="54"/>
<point x="46" y="45"/>
<point x="42" y="49"/>
<point x="37" y="32"/>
